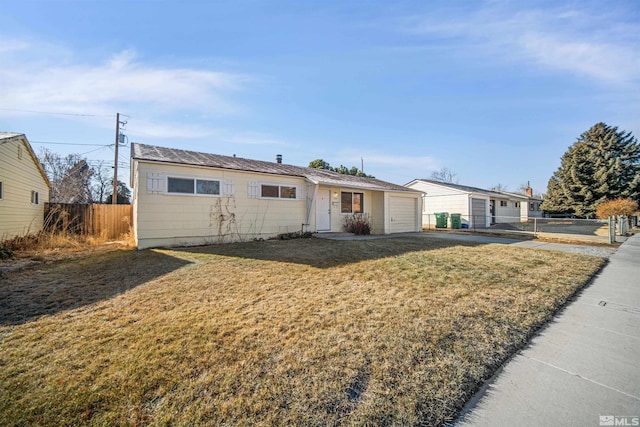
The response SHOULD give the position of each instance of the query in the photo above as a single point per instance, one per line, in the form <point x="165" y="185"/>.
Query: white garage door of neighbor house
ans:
<point x="478" y="213"/>
<point x="403" y="213"/>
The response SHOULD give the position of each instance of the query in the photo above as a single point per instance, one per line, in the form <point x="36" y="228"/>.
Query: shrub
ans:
<point x="5" y="252"/>
<point x="358" y="224"/>
<point x="294" y="235"/>
<point x="620" y="206"/>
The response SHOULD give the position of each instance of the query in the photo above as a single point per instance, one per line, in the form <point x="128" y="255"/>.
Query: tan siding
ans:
<point x="337" y="217"/>
<point x="164" y="219"/>
<point x="377" y="206"/>
<point x="19" y="177"/>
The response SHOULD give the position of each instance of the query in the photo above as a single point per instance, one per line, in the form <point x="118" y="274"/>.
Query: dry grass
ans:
<point x="302" y="332"/>
<point x="57" y="245"/>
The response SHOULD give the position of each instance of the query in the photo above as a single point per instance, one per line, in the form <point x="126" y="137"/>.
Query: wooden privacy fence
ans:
<point x="110" y="221"/>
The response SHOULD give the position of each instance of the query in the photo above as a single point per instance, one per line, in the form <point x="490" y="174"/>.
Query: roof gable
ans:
<point x="462" y="188"/>
<point x="474" y="190"/>
<point x="6" y="137"/>
<point x="153" y="153"/>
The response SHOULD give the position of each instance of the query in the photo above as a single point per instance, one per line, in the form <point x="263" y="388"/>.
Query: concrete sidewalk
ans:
<point x="583" y="369"/>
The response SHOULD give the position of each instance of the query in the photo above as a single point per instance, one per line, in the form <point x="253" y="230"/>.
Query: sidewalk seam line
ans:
<point x="580" y="376"/>
<point x="603" y="329"/>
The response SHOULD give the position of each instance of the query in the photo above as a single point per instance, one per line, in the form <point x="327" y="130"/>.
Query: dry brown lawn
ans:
<point x="304" y="332"/>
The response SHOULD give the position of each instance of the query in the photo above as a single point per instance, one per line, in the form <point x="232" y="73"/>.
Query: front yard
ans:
<point x="304" y="332"/>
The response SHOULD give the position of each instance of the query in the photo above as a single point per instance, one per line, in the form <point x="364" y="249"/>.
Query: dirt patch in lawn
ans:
<point x="305" y="332"/>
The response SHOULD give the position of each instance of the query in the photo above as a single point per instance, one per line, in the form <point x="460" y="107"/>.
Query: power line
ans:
<point x="69" y="143"/>
<point x="56" y="113"/>
<point x="91" y="151"/>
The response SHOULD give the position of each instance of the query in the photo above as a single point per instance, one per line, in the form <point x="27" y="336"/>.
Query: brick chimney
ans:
<point x="529" y="191"/>
<point x="278" y="158"/>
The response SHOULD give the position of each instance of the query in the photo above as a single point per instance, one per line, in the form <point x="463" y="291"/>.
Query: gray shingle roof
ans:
<point x="8" y="135"/>
<point x="318" y="176"/>
<point x="476" y="190"/>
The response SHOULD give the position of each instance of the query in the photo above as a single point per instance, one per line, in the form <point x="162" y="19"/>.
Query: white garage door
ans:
<point x="403" y="213"/>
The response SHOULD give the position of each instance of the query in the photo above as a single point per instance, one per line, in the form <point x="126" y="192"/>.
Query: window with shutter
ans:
<point x="154" y="183"/>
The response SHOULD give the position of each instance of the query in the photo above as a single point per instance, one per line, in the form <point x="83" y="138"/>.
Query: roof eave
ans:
<point x="168" y="162"/>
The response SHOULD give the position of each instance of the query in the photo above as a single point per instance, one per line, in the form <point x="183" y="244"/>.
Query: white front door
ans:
<point x="323" y="210"/>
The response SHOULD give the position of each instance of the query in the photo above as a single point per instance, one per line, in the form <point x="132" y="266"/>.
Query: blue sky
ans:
<point x="495" y="91"/>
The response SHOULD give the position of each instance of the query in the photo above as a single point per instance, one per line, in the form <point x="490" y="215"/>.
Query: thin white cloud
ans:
<point x="376" y="160"/>
<point x="254" y="138"/>
<point x="41" y="78"/>
<point x="593" y="43"/>
<point x="143" y="129"/>
<point x="13" y="45"/>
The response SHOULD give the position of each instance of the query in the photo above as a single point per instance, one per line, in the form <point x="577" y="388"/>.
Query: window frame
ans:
<point x="351" y="211"/>
<point x="504" y="203"/>
<point x="194" y="181"/>
<point x="295" y="188"/>
<point x="35" y="197"/>
<point x="1" y="190"/>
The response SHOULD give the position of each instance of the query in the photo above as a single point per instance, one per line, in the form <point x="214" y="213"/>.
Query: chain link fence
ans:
<point x="599" y="230"/>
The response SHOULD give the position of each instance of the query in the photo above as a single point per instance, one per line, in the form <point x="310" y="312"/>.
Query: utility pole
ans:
<point x="114" y="197"/>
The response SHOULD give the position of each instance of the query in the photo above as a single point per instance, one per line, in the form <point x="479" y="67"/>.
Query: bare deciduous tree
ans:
<point x="102" y="182"/>
<point x="444" y="175"/>
<point x="70" y="177"/>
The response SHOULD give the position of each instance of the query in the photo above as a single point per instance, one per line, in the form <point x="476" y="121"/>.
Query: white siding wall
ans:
<point x="509" y="213"/>
<point x="441" y="199"/>
<point x="19" y="177"/>
<point x="180" y="220"/>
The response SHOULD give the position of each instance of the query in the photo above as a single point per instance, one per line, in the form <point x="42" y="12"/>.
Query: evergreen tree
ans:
<point x="123" y="196"/>
<point x="603" y="164"/>
<point x="321" y="164"/>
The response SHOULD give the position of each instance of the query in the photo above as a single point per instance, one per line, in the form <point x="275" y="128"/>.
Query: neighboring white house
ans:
<point x="24" y="187"/>
<point x="518" y="205"/>
<point x="479" y="208"/>
<point x="183" y="198"/>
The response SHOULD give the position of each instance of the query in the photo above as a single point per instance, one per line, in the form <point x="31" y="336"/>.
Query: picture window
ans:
<point x="351" y="202"/>
<point x="271" y="191"/>
<point x="193" y="186"/>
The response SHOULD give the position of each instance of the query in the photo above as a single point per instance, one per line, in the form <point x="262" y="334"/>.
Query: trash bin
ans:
<point x="456" y="221"/>
<point x="441" y="219"/>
